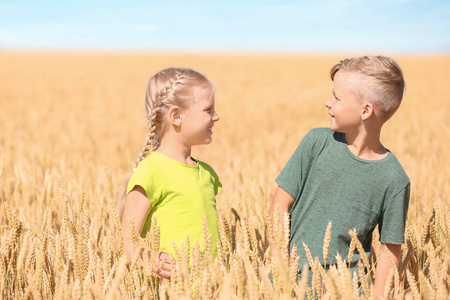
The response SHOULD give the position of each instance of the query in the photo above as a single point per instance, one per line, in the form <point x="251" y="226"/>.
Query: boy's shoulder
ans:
<point x="317" y="133"/>
<point x="322" y="135"/>
<point x="320" y="132"/>
<point x="395" y="170"/>
<point x="390" y="167"/>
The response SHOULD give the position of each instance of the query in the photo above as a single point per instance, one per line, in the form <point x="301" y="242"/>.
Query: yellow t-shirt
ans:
<point x="180" y="195"/>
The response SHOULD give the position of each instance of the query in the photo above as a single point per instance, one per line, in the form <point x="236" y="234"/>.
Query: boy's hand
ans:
<point x="164" y="263"/>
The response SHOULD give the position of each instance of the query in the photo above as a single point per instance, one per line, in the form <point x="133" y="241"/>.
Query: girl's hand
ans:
<point x="164" y="264"/>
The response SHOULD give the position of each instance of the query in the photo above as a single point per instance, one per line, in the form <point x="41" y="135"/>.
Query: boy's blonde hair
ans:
<point x="378" y="80"/>
<point x="167" y="88"/>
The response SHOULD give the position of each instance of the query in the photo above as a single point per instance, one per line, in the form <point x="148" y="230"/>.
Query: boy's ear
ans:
<point x="367" y="111"/>
<point x="174" y="116"/>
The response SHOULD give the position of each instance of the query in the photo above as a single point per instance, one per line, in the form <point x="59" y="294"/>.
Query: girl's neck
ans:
<point x="176" y="150"/>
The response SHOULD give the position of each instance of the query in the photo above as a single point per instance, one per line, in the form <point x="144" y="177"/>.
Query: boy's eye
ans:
<point x="334" y="96"/>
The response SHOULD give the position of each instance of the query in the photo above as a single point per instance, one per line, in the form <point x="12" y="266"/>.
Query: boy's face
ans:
<point x="344" y="107"/>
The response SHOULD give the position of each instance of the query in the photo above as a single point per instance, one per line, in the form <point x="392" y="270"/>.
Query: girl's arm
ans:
<point x="138" y="206"/>
<point x="384" y="266"/>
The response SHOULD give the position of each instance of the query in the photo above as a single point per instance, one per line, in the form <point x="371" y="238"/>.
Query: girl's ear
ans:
<point x="367" y="111"/>
<point x="174" y="116"/>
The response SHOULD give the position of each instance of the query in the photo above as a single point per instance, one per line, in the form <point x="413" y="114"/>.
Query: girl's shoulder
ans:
<point x="150" y="164"/>
<point x="213" y="175"/>
<point x="206" y="167"/>
<point x="154" y="159"/>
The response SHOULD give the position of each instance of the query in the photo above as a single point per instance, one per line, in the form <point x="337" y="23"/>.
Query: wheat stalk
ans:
<point x="360" y="249"/>
<point x="326" y="244"/>
<point x="309" y="256"/>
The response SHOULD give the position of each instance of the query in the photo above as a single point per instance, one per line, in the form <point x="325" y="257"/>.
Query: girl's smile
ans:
<point x="199" y="119"/>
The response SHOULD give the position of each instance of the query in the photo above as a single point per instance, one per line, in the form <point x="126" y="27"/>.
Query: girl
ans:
<point x="167" y="182"/>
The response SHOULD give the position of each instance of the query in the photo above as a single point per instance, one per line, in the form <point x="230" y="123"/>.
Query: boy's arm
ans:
<point x="284" y="200"/>
<point x="384" y="266"/>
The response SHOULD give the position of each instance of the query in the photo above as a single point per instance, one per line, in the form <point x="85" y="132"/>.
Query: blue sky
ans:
<point x="401" y="26"/>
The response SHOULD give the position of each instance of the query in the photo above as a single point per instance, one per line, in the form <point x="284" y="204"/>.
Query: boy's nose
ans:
<point x="328" y="103"/>
<point x="216" y="117"/>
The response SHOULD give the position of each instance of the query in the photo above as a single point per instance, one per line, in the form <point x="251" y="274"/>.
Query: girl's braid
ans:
<point x="153" y="106"/>
<point x="163" y="94"/>
<point x="166" y="88"/>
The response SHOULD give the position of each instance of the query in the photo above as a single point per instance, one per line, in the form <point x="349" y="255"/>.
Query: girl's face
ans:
<point x="198" y="120"/>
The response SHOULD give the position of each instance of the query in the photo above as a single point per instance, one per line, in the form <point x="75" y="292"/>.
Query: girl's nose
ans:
<point x="328" y="103"/>
<point x="216" y="117"/>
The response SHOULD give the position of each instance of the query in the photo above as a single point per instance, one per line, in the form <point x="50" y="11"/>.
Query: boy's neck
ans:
<point x="366" y="145"/>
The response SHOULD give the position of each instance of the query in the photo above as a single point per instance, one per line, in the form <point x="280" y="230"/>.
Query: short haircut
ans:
<point x="377" y="79"/>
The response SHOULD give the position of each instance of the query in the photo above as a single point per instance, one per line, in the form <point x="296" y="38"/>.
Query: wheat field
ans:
<point x="73" y="123"/>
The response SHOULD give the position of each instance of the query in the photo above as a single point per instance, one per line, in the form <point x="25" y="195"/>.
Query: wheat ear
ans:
<point x="326" y="244"/>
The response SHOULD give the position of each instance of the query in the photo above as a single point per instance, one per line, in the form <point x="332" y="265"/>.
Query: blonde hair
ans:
<point x="167" y="88"/>
<point x="377" y="79"/>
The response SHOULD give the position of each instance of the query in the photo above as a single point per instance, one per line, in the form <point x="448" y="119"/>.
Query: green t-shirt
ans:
<point x="180" y="195"/>
<point x="330" y="183"/>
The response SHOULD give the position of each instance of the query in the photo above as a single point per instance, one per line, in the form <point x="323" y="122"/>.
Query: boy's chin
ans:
<point x="334" y="128"/>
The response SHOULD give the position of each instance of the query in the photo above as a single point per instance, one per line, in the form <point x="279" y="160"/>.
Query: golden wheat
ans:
<point x="73" y="124"/>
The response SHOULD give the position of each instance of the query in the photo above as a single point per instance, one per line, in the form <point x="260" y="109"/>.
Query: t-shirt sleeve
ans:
<point x="216" y="181"/>
<point x="393" y="219"/>
<point x="217" y="185"/>
<point x="142" y="177"/>
<point x="214" y="177"/>
<point x="290" y="178"/>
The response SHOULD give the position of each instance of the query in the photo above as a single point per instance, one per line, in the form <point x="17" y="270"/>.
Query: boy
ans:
<point x="345" y="175"/>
